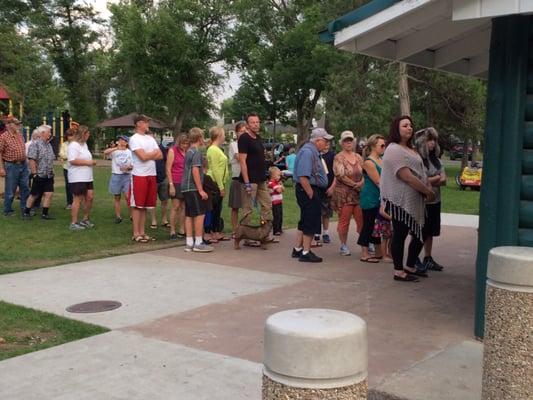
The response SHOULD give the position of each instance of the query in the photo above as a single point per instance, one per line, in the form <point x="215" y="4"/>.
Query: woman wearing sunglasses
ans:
<point x="370" y="196"/>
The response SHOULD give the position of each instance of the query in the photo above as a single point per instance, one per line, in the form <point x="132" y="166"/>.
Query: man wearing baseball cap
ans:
<point x="143" y="189"/>
<point x="13" y="164"/>
<point x="311" y="180"/>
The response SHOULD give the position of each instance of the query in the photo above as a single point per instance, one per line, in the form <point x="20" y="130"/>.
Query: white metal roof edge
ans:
<point x="382" y="18"/>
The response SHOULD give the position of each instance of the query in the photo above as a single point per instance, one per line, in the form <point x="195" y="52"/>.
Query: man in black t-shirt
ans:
<point x="253" y="171"/>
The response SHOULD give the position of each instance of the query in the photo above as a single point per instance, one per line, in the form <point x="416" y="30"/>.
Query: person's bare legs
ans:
<point x="153" y="217"/>
<point x="199" y="225"/>
<point x="47" y="199"/>
<point x="76" y="201"/>
<point x="135" y="216"/>
<point x="306" y="242"/>
<point x="164" y="217"/>
<point x="325" y="223"/>
<point x="174" y="210"/>
<point x="88" y="204"/>
<point x="189" y="227"/>
<point x="181" y="217"/>
<point x="234" y="219"/>
<point x="142" y="221"/>
<point x="117" y="205"/>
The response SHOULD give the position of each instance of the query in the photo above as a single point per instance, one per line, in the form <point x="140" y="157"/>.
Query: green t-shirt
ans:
<point x="193" y="158"/>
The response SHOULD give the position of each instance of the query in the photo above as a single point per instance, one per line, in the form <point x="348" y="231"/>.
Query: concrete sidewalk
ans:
<point x="191" y="325"/>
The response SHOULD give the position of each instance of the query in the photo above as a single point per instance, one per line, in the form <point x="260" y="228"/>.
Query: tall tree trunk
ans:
<point x="405" y="103"/>
<point x="302" y="127"/>
<point x="475" y="151"/>
<point x="464" y="159"/>
<point x="180" y="117"/>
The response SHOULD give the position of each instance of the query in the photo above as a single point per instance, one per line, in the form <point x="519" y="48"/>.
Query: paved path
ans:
<point x="191" y="325"/>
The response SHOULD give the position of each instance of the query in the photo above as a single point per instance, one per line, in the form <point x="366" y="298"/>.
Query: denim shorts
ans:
<point x="119" y="183"/>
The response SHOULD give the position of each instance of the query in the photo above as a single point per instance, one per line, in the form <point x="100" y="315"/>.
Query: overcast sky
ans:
<point x="231" y="84"/>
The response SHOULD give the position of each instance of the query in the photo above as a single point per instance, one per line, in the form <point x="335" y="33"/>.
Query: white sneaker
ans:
<point x="86" y="223"/>
<point x="202" y="248"/>
<point x="188" y="249"/>
<point x="76" y="227"/>
<point x="345" y="251"/>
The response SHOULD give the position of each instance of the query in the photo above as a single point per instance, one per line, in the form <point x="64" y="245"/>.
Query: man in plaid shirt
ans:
<point x="13" y="165"/>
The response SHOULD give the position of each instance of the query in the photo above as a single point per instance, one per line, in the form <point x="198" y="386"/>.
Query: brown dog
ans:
<point x="259" y="233"/>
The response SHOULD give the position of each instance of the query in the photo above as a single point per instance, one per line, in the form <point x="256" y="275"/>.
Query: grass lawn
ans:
<point x="37" y="243"/>
<point x="455" y="200"/>
<point x="23" y="330"/>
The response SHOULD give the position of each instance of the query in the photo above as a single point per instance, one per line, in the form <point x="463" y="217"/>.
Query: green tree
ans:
<point x="65" y="29"/>
<point x="28" y="75"/>
<point x="278" y="47"/>
<point x="163" y="58"/>
<point x="361" y="95"/>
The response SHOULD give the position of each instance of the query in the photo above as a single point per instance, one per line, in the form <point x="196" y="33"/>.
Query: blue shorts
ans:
<point x="119" y="183"/>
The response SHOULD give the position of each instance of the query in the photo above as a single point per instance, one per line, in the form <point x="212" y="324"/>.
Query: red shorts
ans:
<point x="143" y="192"/>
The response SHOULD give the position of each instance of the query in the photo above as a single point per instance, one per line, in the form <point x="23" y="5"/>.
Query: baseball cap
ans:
<point x="320" y="133"/>
<point x="141" y="117"/>
<point x="346" y="135"/>
<point x="124" y="137"/>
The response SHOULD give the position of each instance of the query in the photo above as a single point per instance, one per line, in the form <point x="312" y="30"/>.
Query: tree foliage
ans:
<point x="279" y="50"/>
<point x="27" y="74"/>
<point x="65" y="29"/>
<point x="163" y="57"/>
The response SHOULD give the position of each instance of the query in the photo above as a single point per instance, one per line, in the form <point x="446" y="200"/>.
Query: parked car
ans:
<point x="470" y="177"/>
<point x="456" y="151"/>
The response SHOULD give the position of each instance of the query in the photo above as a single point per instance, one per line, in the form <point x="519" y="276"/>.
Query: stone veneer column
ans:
<point x="508" y="343"/>
<point x="315" y="354"/>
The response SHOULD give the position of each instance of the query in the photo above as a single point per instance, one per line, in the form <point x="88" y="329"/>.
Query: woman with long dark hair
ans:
<point x="427" y="145"/>
<point x="404" y="189"/>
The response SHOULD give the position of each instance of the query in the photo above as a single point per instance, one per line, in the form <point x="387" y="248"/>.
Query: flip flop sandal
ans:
<point x="371" y="260"/>
<point x="153" y="226"/>
<point x="165" y="225"/>
<point x="149" y="238"/>
<point x="140" y="239"/>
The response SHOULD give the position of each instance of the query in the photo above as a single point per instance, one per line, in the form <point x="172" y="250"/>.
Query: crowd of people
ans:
<point x="391" y="189"/>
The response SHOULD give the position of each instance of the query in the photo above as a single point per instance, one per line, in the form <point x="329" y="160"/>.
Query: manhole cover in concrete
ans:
<point x="94" y="306"/>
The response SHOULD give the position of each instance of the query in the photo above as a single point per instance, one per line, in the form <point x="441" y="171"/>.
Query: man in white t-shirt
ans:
<point x="143" y="188"/>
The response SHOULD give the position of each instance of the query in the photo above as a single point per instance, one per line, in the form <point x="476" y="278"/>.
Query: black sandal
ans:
<point x="417" y="272"/>
<point x="407" y="278"/>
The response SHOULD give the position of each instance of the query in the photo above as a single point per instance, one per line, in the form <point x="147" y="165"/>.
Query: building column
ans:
<point x="500" y="204"/>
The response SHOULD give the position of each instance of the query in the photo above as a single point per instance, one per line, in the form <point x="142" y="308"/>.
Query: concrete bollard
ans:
<point x="315" y="354"/>
<point x="508" y="343"/>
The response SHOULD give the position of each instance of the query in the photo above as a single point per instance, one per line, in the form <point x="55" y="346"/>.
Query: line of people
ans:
<point x="391" y="191"/>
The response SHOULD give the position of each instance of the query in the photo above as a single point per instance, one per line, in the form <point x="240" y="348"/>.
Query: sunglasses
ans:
<point x="382" y="146"/>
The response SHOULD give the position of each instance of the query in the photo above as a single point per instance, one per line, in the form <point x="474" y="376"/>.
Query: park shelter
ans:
<point x="126" y="121"/>
<point x="488" y="39"/>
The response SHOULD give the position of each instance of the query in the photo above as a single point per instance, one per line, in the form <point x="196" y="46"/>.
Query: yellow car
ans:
<point x="470" y="177"/>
